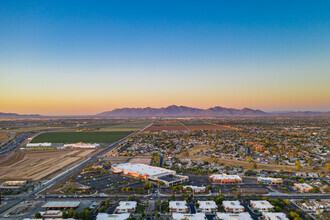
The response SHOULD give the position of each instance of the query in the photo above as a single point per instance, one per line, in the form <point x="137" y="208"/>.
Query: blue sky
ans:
<point x="234" y="53"/>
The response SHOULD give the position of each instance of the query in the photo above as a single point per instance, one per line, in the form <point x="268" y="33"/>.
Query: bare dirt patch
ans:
<point x="3" y="136"/>
<point x="167" y="128"/>
<point x="38" y="165"/>
<point x="209" y="127"/>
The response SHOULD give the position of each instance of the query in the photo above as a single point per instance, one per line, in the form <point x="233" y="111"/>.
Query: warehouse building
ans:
<point x="151" y="173"/>
<point x="207" y="206"/>
<point x="269" y="180"/>
<point x="126" y="207"/>
<point x="178" y="206"/>
<point x="274" y="216"/>
<point x="38" y="144"/>
<point x="182" y="216"/>
<point x="82" y="145"/>
<point x="233" y="206"/>
<point x="303" y="187"/>
<point x="234" y="216"/>
<point x="224" y="178"/>
<point x="261" y="205"/>
<point x="14" y="183"/>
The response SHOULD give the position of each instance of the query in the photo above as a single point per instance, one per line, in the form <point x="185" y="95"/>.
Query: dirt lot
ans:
<point x="39" y="165"/>
<point x="209" y="127"/>
<point x="3" y="136"/>
<point x="167" y="128"/>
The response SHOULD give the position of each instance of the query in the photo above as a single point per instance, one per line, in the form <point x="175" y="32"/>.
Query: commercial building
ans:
<point x="14" y="183"/>
<point x="105" y="216"/>
<point x="13" y="186"/>
<point x="269" y="180"/>
<point x="151" y="173"/>
<point x="182" y="216"/>
<point x="315" y="206"/>
<point x="274" y="216"/>
<point x="224" y="178"/>
<point x="60" y="205"/>
<point x="233" y="206"/>
<point x="45" y="144"/>
<point x="261" y="205"/>
<point x="126" y="207"/>
<point x="195" y="189"/>
<point x="178" y="206"/>
<point x="82" y="145"/>
<point x="233" y="216"/>
<point x="303" y="187"/>
<point x="207" y="206"/>
<point x="51" y="214"/>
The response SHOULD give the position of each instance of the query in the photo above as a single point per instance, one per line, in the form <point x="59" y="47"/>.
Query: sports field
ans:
<point x="86" y="137"/>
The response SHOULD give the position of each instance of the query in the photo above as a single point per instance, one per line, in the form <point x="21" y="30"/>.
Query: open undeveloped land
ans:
<point x="3" y="136"/>
<point x="38" y="165"/>
<point x="87" y="137"/>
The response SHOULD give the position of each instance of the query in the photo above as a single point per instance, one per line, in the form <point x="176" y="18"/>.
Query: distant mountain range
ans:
<point x="183" y="111"/>
<point x="15" y="115"/>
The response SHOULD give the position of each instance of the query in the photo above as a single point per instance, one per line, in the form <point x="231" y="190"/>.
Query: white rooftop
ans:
<point x="178" y="204"/>
<point x="207" y="204"/>
<point x="275" y="215"/>
<point x="194" y="187"/>
<point x="224" y="176"/>
<point x="261" y="204"/>
<point x="143" y="169"/>
<point x="196" y="216"/>
<point x="127" y="205"/>
<point x="234" y="216"/>
<point x="104" y="216"/>
<point x="63" y="204"/>
<point x="232" y="204"/>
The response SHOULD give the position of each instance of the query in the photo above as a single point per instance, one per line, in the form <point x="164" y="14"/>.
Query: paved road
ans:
<point x="49" y="183"/>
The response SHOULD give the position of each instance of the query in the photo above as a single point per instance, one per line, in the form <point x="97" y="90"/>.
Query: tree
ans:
<point x="255" y="165"/>
<point x="70" y="213"/>
<point x="328" y="166"/>
<point x="37" y="215"/>
<point x="76" y="215"/>
<point x="298" y="165"/>
<point x="209" y="187"/>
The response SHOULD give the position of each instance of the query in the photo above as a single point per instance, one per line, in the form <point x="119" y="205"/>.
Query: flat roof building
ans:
<point x="261" y="205"/>
<point x="196" y="216"/>
<point x="82" y="145"/>
<point x="224" y="178"/>
<point x="126" y="207"/>
<point x="274" y="216"/>
<point x="45" y="144"/>
<point x="233" y="206"/>
<point x="14" y="183"/>
<point x="269" y="180"/>
<point x="106" y="216"/>
<point x="178" y="206"/>
<point x="207" y="206"/>
<point x="303" y="187"/>
<point x="155" y="174"/>
<point x="233" y="216"/>
<point x="60" y="205"/>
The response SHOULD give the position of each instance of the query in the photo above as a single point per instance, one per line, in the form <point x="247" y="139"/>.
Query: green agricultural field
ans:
<point x="86" y="137"/>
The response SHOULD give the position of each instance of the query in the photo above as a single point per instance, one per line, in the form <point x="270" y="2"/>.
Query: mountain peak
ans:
<point x="182" y="111"/>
